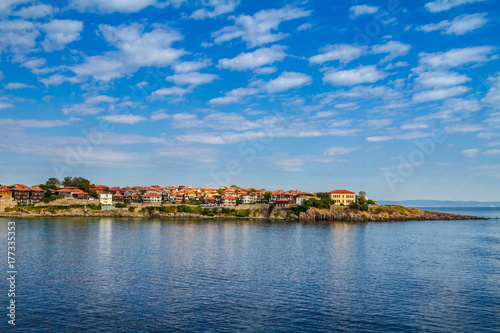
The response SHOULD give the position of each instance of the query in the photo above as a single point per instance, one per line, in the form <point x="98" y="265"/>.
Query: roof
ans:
<point x="282" y="193"/>
<point x="151" y="195"/>
<point x="342" y="192"/>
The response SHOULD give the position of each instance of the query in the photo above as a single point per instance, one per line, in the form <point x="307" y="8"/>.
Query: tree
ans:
<point x="238" y="201"/>
<point x="93" y="192"/>
<point x="67" y="181"/>
<point x="53" y="183"/>
<point x="267" y="196"/>
<point x="220" y="191"/>
<point x="362" y="193"/>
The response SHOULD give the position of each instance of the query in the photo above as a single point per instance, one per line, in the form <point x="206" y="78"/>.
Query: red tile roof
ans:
<point x="342" y="192"/>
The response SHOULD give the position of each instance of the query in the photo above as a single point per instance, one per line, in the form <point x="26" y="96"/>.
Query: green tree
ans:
<point x="238" y="201"/>
<point x="267" y="196"/>
<point x="53" y="183"/>
<point x="220" y="191"/>
<point x="67" y="181"/>
<point x="92" y="192"/>
<point x="362" y="193"/>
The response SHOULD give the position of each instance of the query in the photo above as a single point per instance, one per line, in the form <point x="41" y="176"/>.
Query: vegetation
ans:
<point x="52" y="197"/>
<point x="120" y="205"/>
<point x="131" y="209"/>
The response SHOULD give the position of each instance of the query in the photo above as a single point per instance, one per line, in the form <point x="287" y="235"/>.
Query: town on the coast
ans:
<point x="77" y="196"/>
<point x="78" y="190"/>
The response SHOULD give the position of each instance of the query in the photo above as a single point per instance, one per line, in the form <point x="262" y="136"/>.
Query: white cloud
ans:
<point x="219" y="7"/>
<point x="359" y="10"/>
<point x="438" y="94"/>
<point x="234" y="96"/>
<point x="128" y="119"/>
<point x="92" y="105"/>
<point x="344" y="53"/>
<point x="442" y="5"/>
<point x="463" y="128"/>
<point x="286" y="81"/>
<point x="335" y="151"/>
<point x="35" y="123"/>
<point x="257" y="29"/>
<point x="265" y="70"/>
<point x="6" y="6"/>
<point x="458" y="26"/>
<point x="304" y="26"/>
<point x="59" y="33"/>
<point x="18" y="36"/>
<point x="492" y="152"/>
<point x="159" y="115"/>
<point x="110" y="6"/>
<point x="470" y="152"/>
<point x="394" y="48"/>
<point x="255" y="59"/>
<point x="172" y="91"/>
<point x="193" y="78"/>
<point x="35" y="12"/>
<point x="17" y="85"/>
<point x="362" y="74"/>
<point x="136" y="49"/>
<point x="441" y="79"/>
<point x="457" y="57"/>
<point x="190" y="66"/>
<point x="4" y="105"/>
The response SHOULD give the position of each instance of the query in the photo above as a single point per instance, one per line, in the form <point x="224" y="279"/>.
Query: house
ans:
<point x="281" y="196"/>
<point x="116" y="190"/>
<point x="342" y="197"/>
<point x="151" y="198"/>
<point x="132" y="198"/>
<point x="105" y="198"/>
<point x="249" y="199"/>
<point x="282" y="203"/>
<point x="37" y="194"/>
<point x="21" y="194"/>
<point x="118" y="197"/>
<point x="229" y="201"/>
<point x="301" y="199"/>
<point x="210" y="201"/>
<point x="5" y="192"/>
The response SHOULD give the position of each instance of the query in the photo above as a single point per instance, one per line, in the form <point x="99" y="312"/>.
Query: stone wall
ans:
<point x="7" y="202"/>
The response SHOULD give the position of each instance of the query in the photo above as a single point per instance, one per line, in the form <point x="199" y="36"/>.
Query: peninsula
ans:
<point x="76" y="196"/>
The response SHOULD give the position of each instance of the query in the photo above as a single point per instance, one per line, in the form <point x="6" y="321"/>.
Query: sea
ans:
<point x="208" y="275"/>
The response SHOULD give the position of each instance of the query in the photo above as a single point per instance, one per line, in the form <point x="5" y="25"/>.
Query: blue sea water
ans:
<point x="98" y="275"/>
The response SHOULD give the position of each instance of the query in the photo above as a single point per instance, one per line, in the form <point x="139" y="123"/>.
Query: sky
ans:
<point x="398" y="99"/>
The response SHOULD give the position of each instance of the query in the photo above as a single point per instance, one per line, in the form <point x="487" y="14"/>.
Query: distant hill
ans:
<point x="440" y="203"/>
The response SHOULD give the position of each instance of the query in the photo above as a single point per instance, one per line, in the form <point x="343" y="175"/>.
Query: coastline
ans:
<point x="388" y="214"/>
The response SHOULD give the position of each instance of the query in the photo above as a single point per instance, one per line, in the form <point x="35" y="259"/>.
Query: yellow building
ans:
<point x="342" y="197"/>
<point x="105" y="198"/>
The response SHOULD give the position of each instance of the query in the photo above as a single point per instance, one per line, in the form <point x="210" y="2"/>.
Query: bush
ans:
<point x="120" y="205"/>
<point x="371" y="202"/>
<point x="243" y="212"/>
<point x="131" y="209"/>
<point x="364" y="208"/>
<point x="94" y="207"/>
<point x="52" y="198"/>
<point x="276" y="214"/>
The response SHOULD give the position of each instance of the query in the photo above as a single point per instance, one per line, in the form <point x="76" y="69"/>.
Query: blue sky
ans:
<point x="400" y="99"/>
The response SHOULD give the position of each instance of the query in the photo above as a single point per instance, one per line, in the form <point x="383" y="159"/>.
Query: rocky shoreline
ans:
<point x="311" y="215"/>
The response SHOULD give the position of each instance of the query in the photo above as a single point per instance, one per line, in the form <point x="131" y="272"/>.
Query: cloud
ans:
<point x="255" y="59"/>
<point x="362" y="74"/>
<point x="470" y="152"/>
<point x="35" y="12"/>
<point x="35" y="123"/>
<point x="442" y="5"/>
<point x="335" y="151"/>
<point x="128" y="119"/>
<point x="193" y="78"/>
<point x="257" y="30"/>
<point x="359" y="10"/>
<point x="172" y="91"/>
<point x="18" y="36"/>
<point x="286" y="81"/>
<point x="304" y="26"/>
<point x="457" y="57"/>
<point x="234" y="96"/>
<point x="91" y="105"/>
<point x="458" y="26"/>
<point x="110" y="6"/>
<point x="136" y="49"/>
<point x="394" y="48"/>
<point x="159" y="115"/>
<point x="219" y="7"/>
<point x="190" y="66"/>
<point x="4" y="105"/>
<point x="492" y="152"/>
<point x="344" y="53"/>
<point x="17" y="85"/>
<point x="441" y="79"/>
<point x="59" y="33"/>
<point x="463" y="128"/>
<point x="438" y="94"/>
